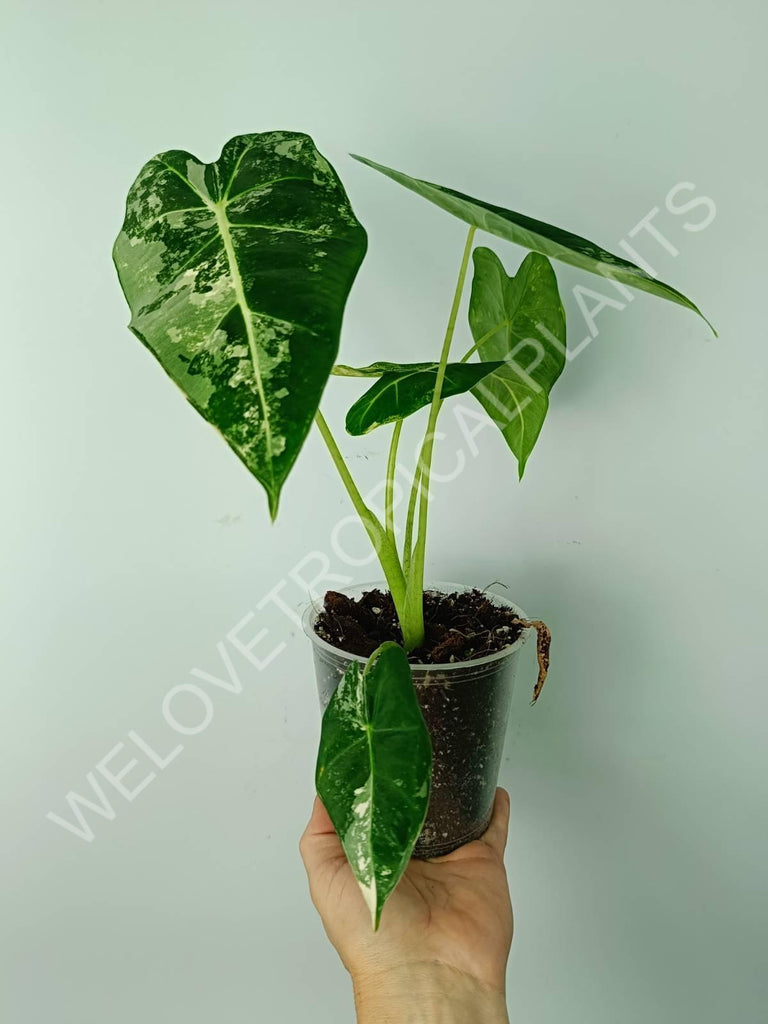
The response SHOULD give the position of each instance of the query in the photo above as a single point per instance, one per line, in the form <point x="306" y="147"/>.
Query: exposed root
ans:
<point x="543" y="643"/>
<point x="458" y="627"/>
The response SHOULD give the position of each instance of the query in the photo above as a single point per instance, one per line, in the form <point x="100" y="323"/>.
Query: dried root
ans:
<point x="543" y="643"/>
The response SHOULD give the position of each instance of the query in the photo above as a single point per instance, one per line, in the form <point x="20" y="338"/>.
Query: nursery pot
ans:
<point x="465" y="706"/>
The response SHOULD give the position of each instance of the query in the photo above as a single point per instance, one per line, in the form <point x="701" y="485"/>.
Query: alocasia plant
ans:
<point x="237" y="273"/>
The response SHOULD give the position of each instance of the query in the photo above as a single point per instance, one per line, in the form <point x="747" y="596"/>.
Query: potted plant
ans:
<point x="237" y="273"/>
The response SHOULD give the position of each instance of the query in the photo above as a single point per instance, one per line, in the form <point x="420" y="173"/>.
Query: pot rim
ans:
<point x="311" y="612"/>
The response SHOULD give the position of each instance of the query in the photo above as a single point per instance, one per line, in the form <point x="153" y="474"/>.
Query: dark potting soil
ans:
<point x="466" y="722"/>
<point x="458" y="627"/>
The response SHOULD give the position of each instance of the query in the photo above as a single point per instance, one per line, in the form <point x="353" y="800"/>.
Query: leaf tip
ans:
<point x="370" y="163"/>
<point x="708" y="322"/>
<point x="273" y="498"/>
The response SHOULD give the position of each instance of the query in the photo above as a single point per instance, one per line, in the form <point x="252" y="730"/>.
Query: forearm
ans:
<point x="426" y="994"/>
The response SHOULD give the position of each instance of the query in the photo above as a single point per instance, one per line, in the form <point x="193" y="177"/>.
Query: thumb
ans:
<point x="319" y="842"/>
<point x="320" y="820"/>
<point x="496" y="833"/>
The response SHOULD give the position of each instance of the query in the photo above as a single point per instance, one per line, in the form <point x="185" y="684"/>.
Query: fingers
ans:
<point x="319" y="841"/>
<point x="496" y="833"/>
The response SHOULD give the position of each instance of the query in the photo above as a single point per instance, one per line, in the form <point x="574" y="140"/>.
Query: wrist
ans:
<point x="428" y="993"/>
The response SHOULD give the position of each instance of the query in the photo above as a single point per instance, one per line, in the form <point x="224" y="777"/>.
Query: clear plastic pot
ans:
<point x="465" y="706"/>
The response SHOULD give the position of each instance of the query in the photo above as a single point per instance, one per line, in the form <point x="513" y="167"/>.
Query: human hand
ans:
<point x="442" y="946"/>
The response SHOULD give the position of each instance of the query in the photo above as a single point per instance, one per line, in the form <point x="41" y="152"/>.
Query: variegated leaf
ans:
<point x="537" y="235"/>
<point x="373" y="369"/>
<point x="405" y="388"/>
<point x="236" y="273"/>
<point x="374" y="768"/>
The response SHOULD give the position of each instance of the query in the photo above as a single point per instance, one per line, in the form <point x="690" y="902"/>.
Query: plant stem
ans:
<point x="414" y="611"/>
<point x="383" y="544"/>
<point x="482" y="341"/>
<point x="408" y="540"/>
<point x="389" y="495"/>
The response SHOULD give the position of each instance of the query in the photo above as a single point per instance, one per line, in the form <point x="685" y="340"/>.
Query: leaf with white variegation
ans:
<point x="537" y="235"/>
<point x="521" y="321"/>
<point x="373" y="771"/>
<point x="404" y="389"/>
<point x="236" y="273"/>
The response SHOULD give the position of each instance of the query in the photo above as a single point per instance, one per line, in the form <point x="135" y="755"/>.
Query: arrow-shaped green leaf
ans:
<point x="533" y="234"/>
<point x="519" y="320"/>
<point x="373" y="770"/>
<point x="236" y="274"/>
<point x="402" y="391"/>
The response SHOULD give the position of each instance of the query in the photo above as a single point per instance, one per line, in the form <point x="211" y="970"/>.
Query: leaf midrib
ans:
<point x="399" y="379"/>
<point x="387" y="386"/>
<point x="237" y="283"/>
<point x="219" y="211"/>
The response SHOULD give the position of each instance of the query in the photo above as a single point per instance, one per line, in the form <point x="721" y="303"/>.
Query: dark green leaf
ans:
<point x="373" y="369"/>
<point x="519" y="320"/>
<point x="236" y="273"/>
<point x="373" y="770"/>
<point x="538" y="236"/>
<point x="401" y="392"/>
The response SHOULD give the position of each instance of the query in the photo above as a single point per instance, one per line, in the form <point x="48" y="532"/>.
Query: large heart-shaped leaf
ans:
<point x="533" y="234"/>
<point x="521" y="321"/>
<point x="236" y="273"/>
<point x="404" y="390"/>
<point x="373" y="770"/>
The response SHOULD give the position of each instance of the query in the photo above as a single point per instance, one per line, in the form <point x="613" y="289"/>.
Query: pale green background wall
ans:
<point x="133" y="541"/>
